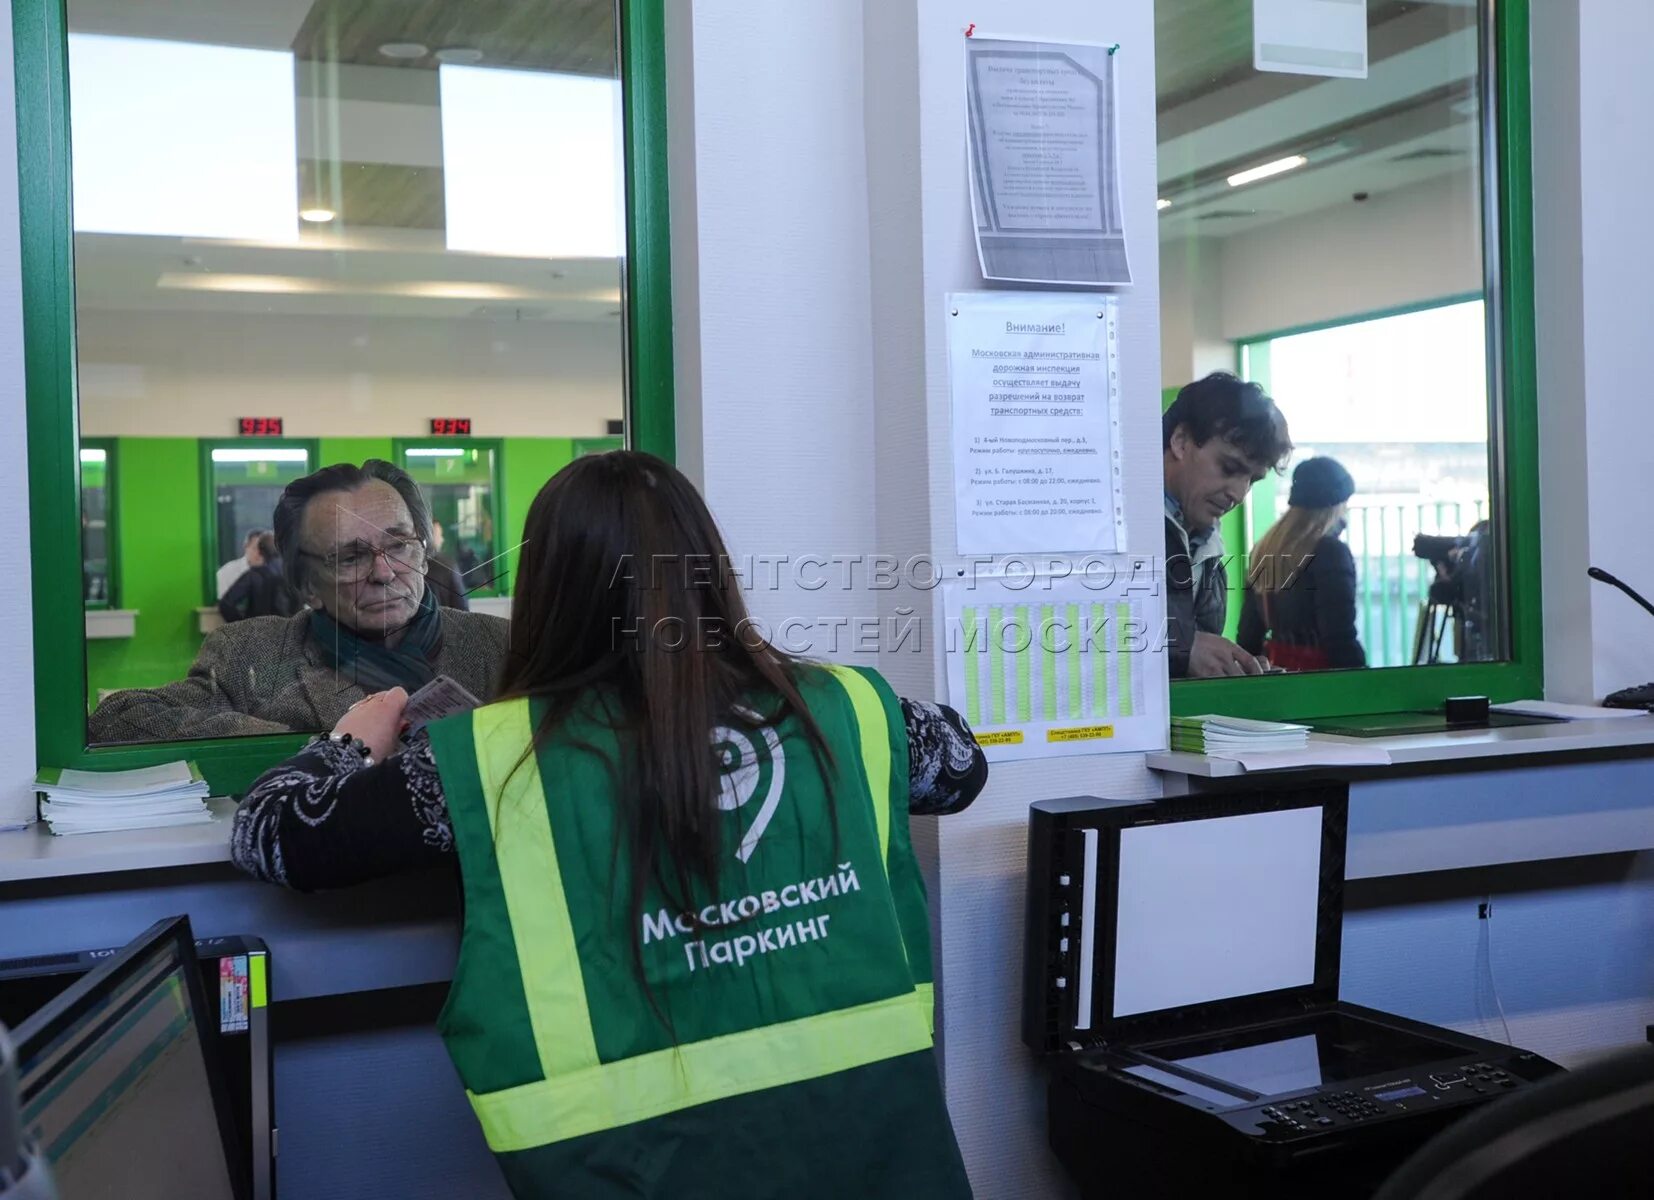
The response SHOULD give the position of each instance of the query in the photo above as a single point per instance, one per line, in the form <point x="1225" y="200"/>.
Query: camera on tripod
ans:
<point x="1460" y="595"/>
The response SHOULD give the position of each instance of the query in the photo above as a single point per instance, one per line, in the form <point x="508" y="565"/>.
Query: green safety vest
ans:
<point x="795" y="1056"/>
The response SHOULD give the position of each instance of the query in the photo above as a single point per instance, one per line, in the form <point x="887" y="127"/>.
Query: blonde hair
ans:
<point x="1287" y="544"/>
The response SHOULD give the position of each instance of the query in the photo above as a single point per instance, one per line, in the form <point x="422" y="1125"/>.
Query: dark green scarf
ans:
<point x="374" y="666"/>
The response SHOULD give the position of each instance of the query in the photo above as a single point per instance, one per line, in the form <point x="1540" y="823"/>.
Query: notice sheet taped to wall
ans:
<point x="1042" y="125"/>
<point x="1036" y="423"/>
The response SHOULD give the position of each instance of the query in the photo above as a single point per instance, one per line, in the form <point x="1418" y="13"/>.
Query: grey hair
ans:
<point x="341" y="477"/>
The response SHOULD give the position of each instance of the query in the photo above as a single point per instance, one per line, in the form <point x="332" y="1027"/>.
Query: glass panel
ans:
<point x="311" y="235"/>
<point x="96" y="530"/>
<point x="462" y="484"/>
<point x="1321" y="236"/>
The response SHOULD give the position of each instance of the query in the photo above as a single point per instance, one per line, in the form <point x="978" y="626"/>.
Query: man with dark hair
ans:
<point x="1219" y="437"/>
<point x="354" y="544"/>
<point x="237" y="567"/>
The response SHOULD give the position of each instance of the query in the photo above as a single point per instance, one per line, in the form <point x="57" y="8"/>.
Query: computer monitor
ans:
<point x="233" y="967"/>
<point x="121" y="1092"/>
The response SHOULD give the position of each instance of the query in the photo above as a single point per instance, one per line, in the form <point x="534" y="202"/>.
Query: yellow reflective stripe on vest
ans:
<point x="540" y="926"/>
<point x="650" y="1085"/>
<point x="875" y="747"/>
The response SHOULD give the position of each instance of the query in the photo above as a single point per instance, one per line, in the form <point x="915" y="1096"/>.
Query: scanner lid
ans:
<point x="1160" y="918"/>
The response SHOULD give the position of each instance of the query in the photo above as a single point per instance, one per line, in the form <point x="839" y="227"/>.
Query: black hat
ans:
<point x="1320" y="483"/>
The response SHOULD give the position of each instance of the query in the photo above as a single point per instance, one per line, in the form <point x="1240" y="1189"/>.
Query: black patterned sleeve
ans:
<point x="326" y="819"/>
<point x="946" y="768"/>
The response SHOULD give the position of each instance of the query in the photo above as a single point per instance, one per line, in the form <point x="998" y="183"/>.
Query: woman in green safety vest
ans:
<point x="696" y="956"/>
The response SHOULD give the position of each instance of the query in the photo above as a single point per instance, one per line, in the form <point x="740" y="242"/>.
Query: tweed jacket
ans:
<point x="268" y="675"/>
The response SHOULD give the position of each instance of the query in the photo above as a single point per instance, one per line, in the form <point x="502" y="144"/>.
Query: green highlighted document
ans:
<point x="1044" y="666"/>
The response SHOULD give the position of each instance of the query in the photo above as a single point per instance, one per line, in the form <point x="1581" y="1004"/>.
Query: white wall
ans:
<point x="17" y="765"/>
<point x="1616" y="114"/>
<point x="191" y="374"/>
<point x="1416" y="244"/>
<point x="771" y="291"/>
<point x="1419" y="243"/>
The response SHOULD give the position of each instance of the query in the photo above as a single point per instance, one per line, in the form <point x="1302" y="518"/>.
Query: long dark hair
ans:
<point x="624" y="592"/>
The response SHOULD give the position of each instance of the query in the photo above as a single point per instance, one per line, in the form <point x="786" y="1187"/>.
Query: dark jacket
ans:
<point x="260" y="592"/>
<point x="268" y="675"/>
<point x="1197" y="599"/>
<point x="1315" y="608"/>
<point x="443" y="579"/>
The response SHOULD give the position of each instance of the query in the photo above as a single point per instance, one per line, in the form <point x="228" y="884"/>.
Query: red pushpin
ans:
<point x="970" y="29"/>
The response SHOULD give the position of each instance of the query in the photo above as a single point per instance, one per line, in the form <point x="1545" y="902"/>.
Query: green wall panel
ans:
<point x="354" y="450"/>
<point x="529" y="462"/>
<point x="158" y="494"/>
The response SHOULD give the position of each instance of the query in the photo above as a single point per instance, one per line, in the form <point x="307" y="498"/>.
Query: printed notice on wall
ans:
<point x="1044" y="664"/>
<point x="1043" y="132"/>
<point x="1310" y="37"/>
<point x="1036" y="423"/>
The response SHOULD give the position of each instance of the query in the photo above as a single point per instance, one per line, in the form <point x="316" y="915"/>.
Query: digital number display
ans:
<point x="260" y="426"/>
<point x="1400" y="1093"/>
<point x="450" y="426"/>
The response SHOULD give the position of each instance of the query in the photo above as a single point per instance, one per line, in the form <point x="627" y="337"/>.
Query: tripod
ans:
<point x="1434" y="619"/>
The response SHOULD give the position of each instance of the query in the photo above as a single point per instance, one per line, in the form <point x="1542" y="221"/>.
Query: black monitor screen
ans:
<point x="1331" y="1048"/>
<point x="119" y="1100"/>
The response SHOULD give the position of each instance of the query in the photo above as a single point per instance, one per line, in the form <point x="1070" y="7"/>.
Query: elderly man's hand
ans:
<point x="1213" y="655"/>
<point x="376" y="721"/>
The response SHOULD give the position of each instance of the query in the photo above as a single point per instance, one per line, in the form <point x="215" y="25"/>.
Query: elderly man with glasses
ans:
<point x="355" y="544"/>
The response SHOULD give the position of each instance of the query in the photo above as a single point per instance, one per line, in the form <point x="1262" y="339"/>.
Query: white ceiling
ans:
<point x="1412" y="120"/>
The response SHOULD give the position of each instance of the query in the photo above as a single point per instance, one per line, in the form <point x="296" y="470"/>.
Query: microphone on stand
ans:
<point x="1641" y="696"/>
<point x="1602" y="576"/>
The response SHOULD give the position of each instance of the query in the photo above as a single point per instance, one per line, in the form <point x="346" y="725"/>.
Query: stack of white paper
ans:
<point x="1229" y="736"/>
<point x="106" y="801"/>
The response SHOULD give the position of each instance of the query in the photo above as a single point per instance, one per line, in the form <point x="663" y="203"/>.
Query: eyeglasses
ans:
<point x="354" y="563"/>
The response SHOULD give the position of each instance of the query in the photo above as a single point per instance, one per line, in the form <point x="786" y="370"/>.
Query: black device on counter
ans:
<point x="1181" y="974"/>
<point x="234" y="974"/>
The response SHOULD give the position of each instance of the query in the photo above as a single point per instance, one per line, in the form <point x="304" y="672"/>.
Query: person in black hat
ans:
<point x="1299" y="608"/>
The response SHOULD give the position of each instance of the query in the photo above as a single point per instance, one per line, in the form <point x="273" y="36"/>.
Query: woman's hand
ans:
<point x="376" y="721"/>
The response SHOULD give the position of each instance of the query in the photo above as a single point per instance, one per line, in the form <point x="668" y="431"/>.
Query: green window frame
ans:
<point x="1514" y="451"/>
<point x="111" y="518"/>
<point x="209" y="495"/>
<point x="496" y="446"/>
<point x="40" y="47"/>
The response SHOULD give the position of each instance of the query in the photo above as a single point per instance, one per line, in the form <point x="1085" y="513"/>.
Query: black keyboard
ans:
<point x="1641" y="696"/>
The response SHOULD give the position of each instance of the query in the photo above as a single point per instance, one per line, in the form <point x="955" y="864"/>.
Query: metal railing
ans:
<point x="1391" y="582"/>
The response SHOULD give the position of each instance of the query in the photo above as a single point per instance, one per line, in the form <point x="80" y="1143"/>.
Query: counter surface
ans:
<point x="1632" y="735"/>
<point x="37" y="853"/>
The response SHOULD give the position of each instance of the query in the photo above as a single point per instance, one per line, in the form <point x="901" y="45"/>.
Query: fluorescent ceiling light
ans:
<point x="263" y="284"/>
<point x="1278" y="167"/>
<point x="434" y="452"/>
<point x="240" y="454"/>
<point x="317" y="216"/>
<point x="93" y="457"/>
<point x="1162" y="204"/>
<point x="182" y="139"/>
<point x="531" y="163"/>
<point x="307" y="285"/>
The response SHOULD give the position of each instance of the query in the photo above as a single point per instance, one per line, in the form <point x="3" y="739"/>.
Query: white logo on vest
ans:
<point x="743" y="771"/>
